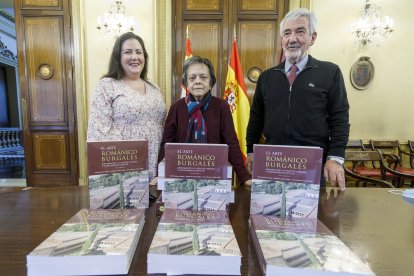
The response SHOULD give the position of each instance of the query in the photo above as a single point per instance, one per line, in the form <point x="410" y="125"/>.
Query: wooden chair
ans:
<point x="406" y="169"/>
<point x="355" y="145"/>
<point x="368" y="169"/>
<point x="393" y="147"/>
<point x="389" y="150"/>
<point x="376" y="176"/>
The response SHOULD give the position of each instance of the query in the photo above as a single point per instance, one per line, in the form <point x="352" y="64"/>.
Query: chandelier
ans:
<point x="114" y="22"/>
<point x="372" y="27"/>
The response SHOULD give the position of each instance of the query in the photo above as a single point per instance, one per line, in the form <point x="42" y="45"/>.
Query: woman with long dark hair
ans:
<point x="126" y="106"/>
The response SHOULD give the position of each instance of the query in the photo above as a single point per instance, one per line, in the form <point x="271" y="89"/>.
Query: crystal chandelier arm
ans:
<point x="114" y="22"/>
<point x="372" y="27"/>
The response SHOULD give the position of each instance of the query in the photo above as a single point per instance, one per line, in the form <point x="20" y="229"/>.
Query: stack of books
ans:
<point x="101" y="240"/>
<point x="286" y="181"/>
<point x="287" y="236"/>
<point x="301" y="247"/>
<point x="194" y="235"/>
<point x="194" y="242"/>
<point x="92" y="242"/>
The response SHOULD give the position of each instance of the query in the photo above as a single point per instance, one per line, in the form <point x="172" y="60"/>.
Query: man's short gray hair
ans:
<point x="295" y="14"/>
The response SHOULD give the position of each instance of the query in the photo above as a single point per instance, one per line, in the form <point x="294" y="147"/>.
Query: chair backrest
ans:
<point x="385" y="146"/>
<point x="391" y="147"/>
<point x="367" y="155"/>
<point x="355" y="145"/>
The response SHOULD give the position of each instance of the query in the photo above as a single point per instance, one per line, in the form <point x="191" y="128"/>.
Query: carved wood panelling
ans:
<point x="206" y="42"/>
<point x="41" y="3"/>
<point x="257" y="5"/>
<point x="50" y="151"/>
<point x="44" y="35"/>
<point x="256" y="23"/>
<point x="202" y="5"/>
<point x="257" y="42"/>
<point x="43" y="47"/>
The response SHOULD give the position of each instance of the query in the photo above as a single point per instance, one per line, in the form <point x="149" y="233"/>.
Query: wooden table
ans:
<point x="376" y="225"/>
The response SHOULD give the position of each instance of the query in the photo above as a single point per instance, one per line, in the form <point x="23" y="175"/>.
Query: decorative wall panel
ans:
<point x="206" y="5"/>
<point x="50" y="151"/>
<point x="257" y="5"/>
<point x="41" y="3"/>
<point x="45" y="69"/>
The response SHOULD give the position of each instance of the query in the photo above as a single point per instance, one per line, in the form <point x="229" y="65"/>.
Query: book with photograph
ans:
<point x="92" y="242"/>
<point x="118" y="174"/>
<point x="161" y="174"/>
<point x="286" y="181"/>
<point x="301" y="247"/>
<point x="197" y="194"/>
<point x="192" y="161"/>
<point x="195" y="177"/>
<point x="194" y="242"/>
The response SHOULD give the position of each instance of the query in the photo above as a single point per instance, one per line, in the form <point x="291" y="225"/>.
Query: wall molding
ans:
<point x="163" y="47"/>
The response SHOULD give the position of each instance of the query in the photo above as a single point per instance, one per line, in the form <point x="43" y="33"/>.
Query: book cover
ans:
<point x="92" y="242"/>
<point x="301" y="247"/>
<point x="194" y="242"/>
<point x="286" y="181"/>
<point x="161" y="174"/>
<point x="118" y="174"/>
<point x="205" y="161"/>
<point x="197" y="194"/>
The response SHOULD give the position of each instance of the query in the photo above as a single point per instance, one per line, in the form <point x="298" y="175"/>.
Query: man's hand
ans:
<point x="334" y="172"/>
<point x="248" y="182"/>
<point x="249" y="163"/>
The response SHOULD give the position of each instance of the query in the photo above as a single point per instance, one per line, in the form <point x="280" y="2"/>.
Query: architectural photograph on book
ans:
<point x="284" y="199"/>
<point x="119" y="190"/>
<point x="197" y="194"/>
<point x="192" y="239"/>
<point x="308" y="251"/>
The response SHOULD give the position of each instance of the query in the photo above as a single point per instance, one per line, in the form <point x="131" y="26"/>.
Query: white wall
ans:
<point x="99" y="48"/>
<point x="385" y="109"/>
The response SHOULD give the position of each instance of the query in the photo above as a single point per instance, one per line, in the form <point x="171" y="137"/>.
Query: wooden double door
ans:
<point x="44" y="42"/>
<point x="211" y="25"/>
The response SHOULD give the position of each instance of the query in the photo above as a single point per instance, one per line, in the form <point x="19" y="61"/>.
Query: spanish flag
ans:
<point x="235" y="94"/>
<point x="188" y="54"/>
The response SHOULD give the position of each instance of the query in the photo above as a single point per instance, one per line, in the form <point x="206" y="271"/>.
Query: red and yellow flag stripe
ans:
<point x="235" y="93"/>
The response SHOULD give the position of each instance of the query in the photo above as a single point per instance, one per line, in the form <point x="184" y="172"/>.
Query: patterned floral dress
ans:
<point x="119" y="113"/>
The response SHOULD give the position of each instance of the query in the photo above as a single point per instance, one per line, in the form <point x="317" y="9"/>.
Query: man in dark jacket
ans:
<point x="302" y="101"/>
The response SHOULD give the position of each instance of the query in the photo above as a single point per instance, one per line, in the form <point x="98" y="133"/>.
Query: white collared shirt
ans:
<point x="301" y="64"/>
